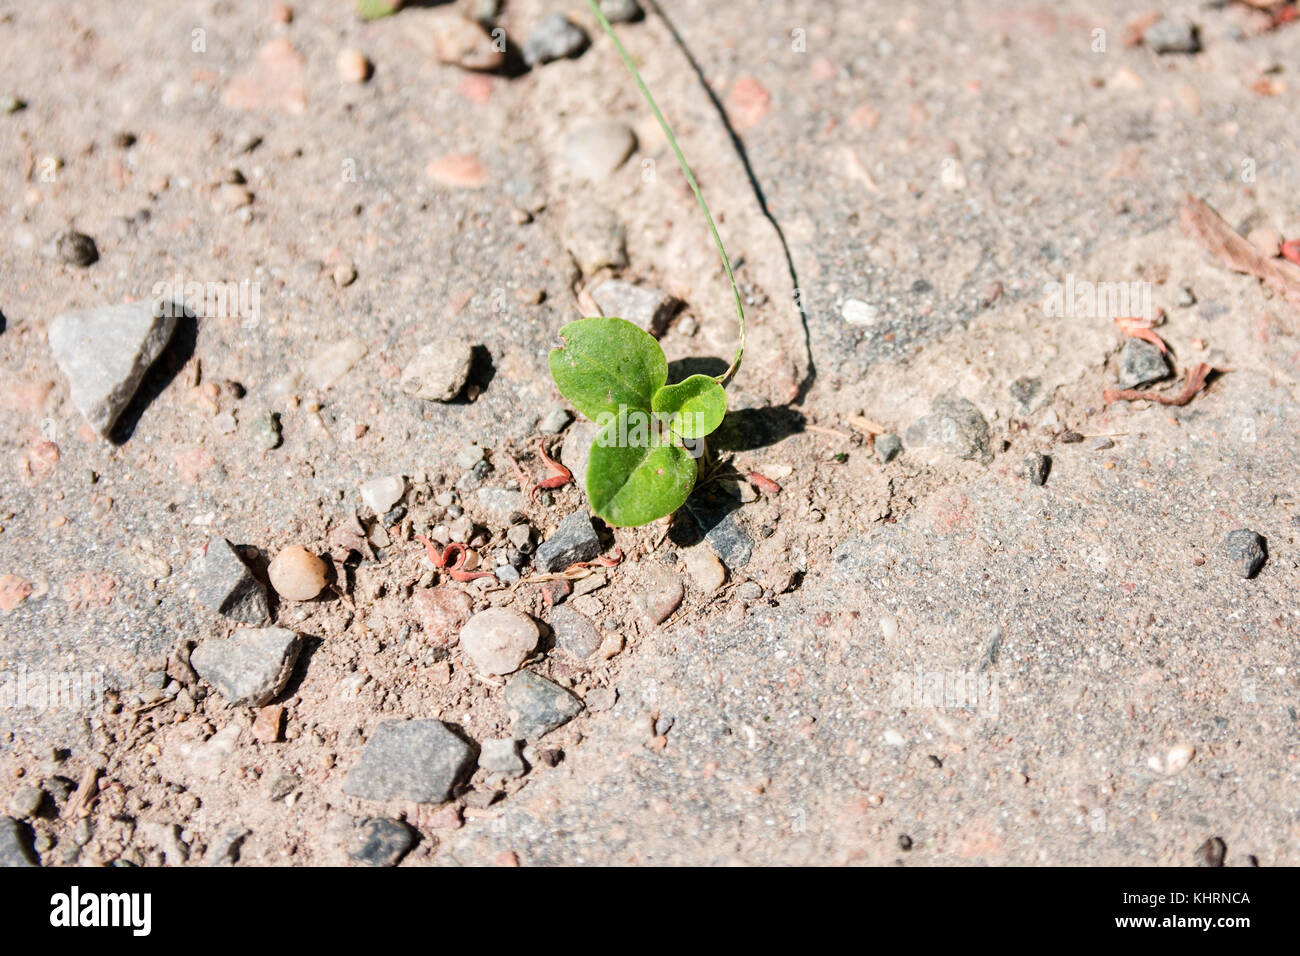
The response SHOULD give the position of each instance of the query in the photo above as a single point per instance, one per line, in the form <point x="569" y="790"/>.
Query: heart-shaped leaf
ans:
<point x="694" y="407"/>
<point x="634" y="476"/>
<point x="608" y="365"/>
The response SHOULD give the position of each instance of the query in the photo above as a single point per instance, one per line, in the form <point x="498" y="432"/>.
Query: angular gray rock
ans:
<point x="418" y="760"/>
<point x="1247" y="550"/>
<point x="439" y="370"/>
<point x="380" y="842"/>
<point x="573" y="541"/>
<point x="251" y="666"/>
<point x="16" y="843"/>
<point x="227" y="585"/>
<point x="575" y="634"/>
<point x="956" y="426"/>
<point x="537" y="706"/>
<point x="888" y="447"/>
<point x="1035" y="468"/>
<point x="554" y="38"/>
<point x="502" y="756"/>
<point x="1173" y="34"/>
<point x="594" y="151"/>
<point x="641" y="305"/>
<point x="105" y="352"/>
<point x="1141" y="363"/>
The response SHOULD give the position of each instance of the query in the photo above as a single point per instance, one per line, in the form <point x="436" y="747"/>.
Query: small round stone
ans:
<point x="77" y="249"/>
<point x="705" y="569"/>
<point x="499" y="640"/>
<point x="353" y="66"/>
<point x="297" y="574"/>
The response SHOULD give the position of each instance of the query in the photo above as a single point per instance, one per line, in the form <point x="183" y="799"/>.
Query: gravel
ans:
<point x="888" y="447"/>
<point x="1036" y="468"/>
<point x="1247" y="550"/>
<point x="499" y="640"/>
<point x="77" y="249"/>
<point x="439" y="370"/>
<point x="16" y="844"/>
<point x="954" y="425"/>
<point x="251" y="666"/>
<point x="643" y="306"/>
<point x="538" y="706"/>
<point x="1173" y="34"/>
<point x="596" y="150"/>
<point x="573" y="541"/>
<point x="105" y="353"/>
<point x="554" y="38"/>
<point x="595" y="238"/>
<point x="227" y="585"/>
<point x="621" y="11"/>
<point x="502" y="756"/>
<point x="380" y="494"/>
<point x="418" y="760"/>
<point x="575" y="634"/>
<point x="380" y="841"/>
<point x="1141" y="363"/>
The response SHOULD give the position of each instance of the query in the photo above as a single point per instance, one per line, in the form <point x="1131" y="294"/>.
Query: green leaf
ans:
<point x="375" y="9"/>
<point x="606" y="365"/>
<point x="694" y="407"/>
<point x="633" y="475"/>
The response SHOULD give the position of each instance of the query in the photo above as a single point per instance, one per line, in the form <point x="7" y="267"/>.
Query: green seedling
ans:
<point x="377" y="9"/>
<point x="644" y="461"/>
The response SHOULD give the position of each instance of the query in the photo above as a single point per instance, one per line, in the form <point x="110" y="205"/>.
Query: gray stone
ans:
<point x="1212" y="852"/>
<point x="575" y="634"/>
<point x="1173" y="34"/>
<point x="380" y="841"/>
<point x="1027" y="393"/>
<point x="265" y="430"/>
<point x="16" y="843"/>
<point x="224" y="850"/>
<point x="555" y="421"/>
<point x="507" y="574"/>
<point x="1247" y="550"/>
<point x="439" y="370"/>
<point x="621" y="11"/>
<point x="731" y="542"/>
<point x="1035" y="468"/>
<point x="227" y="585"/>
<point x="1141" y="363"/>
<point x="888" y="447"/>
<point x="499" y="640"/>
<point x="595" y="238"/>
<point x="502" y="756"/>
<point x="251" y="666"/>
<point x="573" y="541"/>
<point x="641" y="305"/>
<point x="77" y="249"/>
<point x="554" y="38"/>
<point x="26" y="801"/>
<point x="596" y="150"/>
<point x="418" y="760"/>
<point x="537" y="705"/>
<point x="380" y="494"/>
<point x="502" y="502"/>
<point x="105" y="353"/>
<point x="954" y="425"/>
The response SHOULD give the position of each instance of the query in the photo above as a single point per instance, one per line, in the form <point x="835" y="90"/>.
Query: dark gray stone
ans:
<point x="554" y="38"/>
<point x="575" y="635"/>
<point x="227" y="585"/>
<point x="1141" y="363"/>
<point x="731" y="542"/>
<point x="1247" y="550"/>
<point x="16" y="843"/>
<point x="105" y="353"/>
<point x="1212" y="852"/>
<point x="251" y="666"/>
<point x="956" y="426"/>
<point x="1036" y="467"/>
<point x="573" y="541"/>
<point x="1173" y="34"/>
<point x="537" y="705"/>
<point x="418" y="760"/>
<point x="888" y="447"/>
<point x="380" y="841"/>
<point x="77" y="249"/>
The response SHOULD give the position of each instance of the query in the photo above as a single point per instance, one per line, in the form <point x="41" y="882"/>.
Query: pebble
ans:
<point x="458" y="171"/>
<point x="418" y="760"/>
<point x="538" y="706"/>
<point x="353" y="66"/>
<point x="1141" y="363"/>
<point x="554" y="38"/>
<point x="889" y="628"/>
<point x="297" y="574"/>
<point x="443" y="612"/>
<point x="380" y="494"/>
<point x="499" y="640"/>
<point x="596" y="150"/>
<point x="749" y="591"/>
<point x="662" y="598"/>
<point x="501" y="756"/>
<point x="573" y="541"/>
<point x="1247" y="550"/>
<point x="520" y="536"/>
<point x="1173" y="34"/>
<point x="621" y="11"/>
<point x="1212" y="852"/>
<point x="77" y="249"/>
<point x="507" y="574"/>
<point x="16" y="844"/>
<point x="251" y="666"/>
<point x="105" y="353"/>
<point x="264" y="428"/>
<point x="956" y="426"/>
<point x="555" y="421"/>
<point x="595" y="238"/>
<point x="269" y="724"/>
<point x="575" y="634"/>
<point x="888" y="447"/>
<point x="11" y="104"/>
<point x="380" y="841"/>
<point x="1101" y="444"/>
<point x="600" y="699"/>
<point x="227" y="585"/>
<point x="731" y="542"/>
<point x="224" y="850"/>
<point x="463" y="43"/>
<point x="1036" y="468"/>
<point x="1186" y="297"/>
<point x="334" y="361"/>
<point x="643" y="306"/>
<point x="439" y="370"/>
<point x="1026" y="392"/>
<point x="705" y="569"/>
<point x="1179" y="757"/>
<point x="26" y="801"/>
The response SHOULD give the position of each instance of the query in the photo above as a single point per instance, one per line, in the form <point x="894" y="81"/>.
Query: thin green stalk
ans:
<point x="726" y="376"/>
